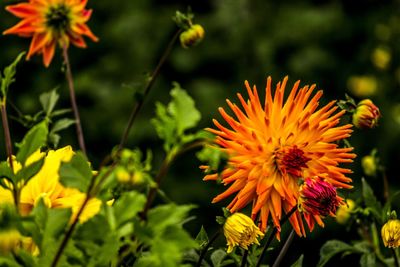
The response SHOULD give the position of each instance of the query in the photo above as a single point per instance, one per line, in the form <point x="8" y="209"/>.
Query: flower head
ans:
<point x="240" y="230"/>
<point x="343" y="213"/>
<point x="369" y="164"/>
<point x="51" y="23"/>
<point x="366" y="115"/>
<point x="272" y="147"/>
<point x="391" y="233"/>
<point x="318" y="198"/>
<point x="192" y="36"/>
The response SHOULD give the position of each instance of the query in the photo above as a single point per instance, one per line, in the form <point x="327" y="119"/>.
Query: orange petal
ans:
<point x="48" y="53"/>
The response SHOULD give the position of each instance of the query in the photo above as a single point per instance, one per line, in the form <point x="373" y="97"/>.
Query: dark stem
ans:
<point x="205" y="249"/>
<point x="284" y="249"/>
<point x="71" y="88"/>
<point x="273" y="233"/>
<point x="91" y="191"/>
<point x="149" y="85"/>
<point x="396" y="259"/>
<point x="244" y="258"/>
<point x="163" y="171"/>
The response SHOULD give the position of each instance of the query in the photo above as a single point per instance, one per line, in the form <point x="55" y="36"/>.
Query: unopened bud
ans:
<point x="343" y="213"/>
<point x="366" y="115"/>
<point x="369" y="165"/>
<point x="192" y="36"/>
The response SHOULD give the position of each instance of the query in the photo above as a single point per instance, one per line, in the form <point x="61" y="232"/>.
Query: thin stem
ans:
<point x="74" y="105"/>
<point x="140" y="102"/>
<point x="91" y="191"/>
<point x="284" y="249"/>
<point x="205" y="249"/>
<point x="396" y="259"/>
<point x="244" y="258"/>
<point x="271" y="237"/>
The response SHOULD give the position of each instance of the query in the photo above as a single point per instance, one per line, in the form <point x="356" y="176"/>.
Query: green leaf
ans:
<point x="9" y="73"/>
<point x="217" y="257"/>
<point x="49" y="100"/>
<point x="299" y="262"/>
<point x="165" y="126"/>
<point x="368" y="260"/>
<point x="62" y="124"/>
<point x="182" y="108"/>
<point x="166" y="215"/>
<point x="76" y="173"/>
<point x="202" y="238"/>
<point x="27" y="172"/>
<point x="6" y="172"/>
<point x="128" y="206"/>
<point x="370" y="201"/>
<point x="332" y="248"/>
<point x="33" y="140"/>
<point x="7" y="262"/>
<point x="25" y="258"/>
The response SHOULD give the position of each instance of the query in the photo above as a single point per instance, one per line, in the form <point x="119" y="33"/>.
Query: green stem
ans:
<point x="74" y="105"/>
<point x="284" y="249"/>
<point x="273" y="233"/>
<point x="140" y="102"/>
<point x="205" y="249"/>
<point x="396" y="259"/>
<point x="244" y="258"/>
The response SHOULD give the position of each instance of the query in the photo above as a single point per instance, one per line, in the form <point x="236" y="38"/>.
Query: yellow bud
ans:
<point x="366" y="115"/>
<point x="192" y="36"/>
<point x="391" y="234"/>
<point x="9" y="240"/>
<point x="368" y="164"/>
<point x="362" y="86"/>
<point x="123" y="175"/>
<point x="381" y="57"/>
<point x="344" y="211"/>
<point x="240" y="230"/>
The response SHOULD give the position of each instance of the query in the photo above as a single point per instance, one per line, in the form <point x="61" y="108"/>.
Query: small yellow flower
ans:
<point x="369" y="165"/>
<point x="366" y="115"/>
<point x="344" y="211"/>
<point x="192" y="36"/>
<point x="381" y="57"/>
<point x="240" y="230"/>
<point x="391" y="233"/>
<point x="9" y="240"/>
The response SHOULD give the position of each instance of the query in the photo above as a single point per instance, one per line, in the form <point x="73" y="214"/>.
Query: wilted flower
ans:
<point x="272" y="147"/>
<point x="192" y="36"/>
<point x="45" y="185"/>
<point x="369" y="165"/>
<point x="391" y="233"/>
<point x="240" y="230"/>
<point x="366" y="115"/>
<point x="318" y="198"/>
<point x="362" y="86"/>
<point x="51" y="23"/>
<point x="343" y="213"/>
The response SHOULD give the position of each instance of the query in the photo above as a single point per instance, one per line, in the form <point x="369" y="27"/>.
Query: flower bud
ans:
<point x="366" y="115"/>
<point x="126" y="177"/>
<point x="369" y="165"/>
<point x="9" y="240"/>
<point x="192" y="36"/>
<point x="344" y="211"/>
<point x="391" y="233"/>
<point x="240" y="230"/>
<point x="318" y="197"/>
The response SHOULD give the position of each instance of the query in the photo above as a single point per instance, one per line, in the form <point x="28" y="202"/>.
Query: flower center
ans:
<point x="58" y="18"/>
<point x="292" y="160"/>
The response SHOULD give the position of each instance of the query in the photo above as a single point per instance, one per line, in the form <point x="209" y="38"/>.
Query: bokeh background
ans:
<point x="343" y="46"/>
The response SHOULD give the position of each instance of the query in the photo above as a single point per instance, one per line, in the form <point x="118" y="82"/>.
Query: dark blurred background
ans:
<point x="342" y="46"/>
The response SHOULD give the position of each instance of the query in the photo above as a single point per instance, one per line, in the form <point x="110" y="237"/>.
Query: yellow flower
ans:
<point x="368" y="164"/>
<point x="344" y="211"/>
<point x="9" y="240"/>
<point x="192" y="36"/>
<point x="45" y="185"/>
<point x="51" y="23"/>
<point x="240" y="230"/>
<point x="366" y="115"/>
<point x="391" y="233"/>
<point x="381" y="57"/>
<point x="274" y="146"/>
<point x="362" y="86"/>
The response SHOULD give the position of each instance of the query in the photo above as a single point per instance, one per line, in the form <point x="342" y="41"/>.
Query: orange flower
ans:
<point x="51" y="22"/>
<point x="272" y="147"/>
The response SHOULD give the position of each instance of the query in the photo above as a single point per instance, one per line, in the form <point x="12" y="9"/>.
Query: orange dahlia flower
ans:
<point x="51" y="22"/>
<point x="273" y="147"/>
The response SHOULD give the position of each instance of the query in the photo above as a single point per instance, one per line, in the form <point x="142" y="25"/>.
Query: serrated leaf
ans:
<point x="217" y="257"/>
<point x="202" y="238"/>
<point x="9" y="73"/>
<point x="182" y="108"/>
<point x="76" y="173"/>
<point x="332" y="248"/>
<point x="27" y="172"/>
<point x="33" y="140"/>
<point x="48" y="101"/>
<point x="299" y="262"/>
<point x="62" y="124"/>
<point x="370" y="200"/>
<point x="128" y="206"/>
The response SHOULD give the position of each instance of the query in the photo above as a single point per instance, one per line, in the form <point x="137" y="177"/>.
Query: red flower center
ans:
<point x="292" y="161"/>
